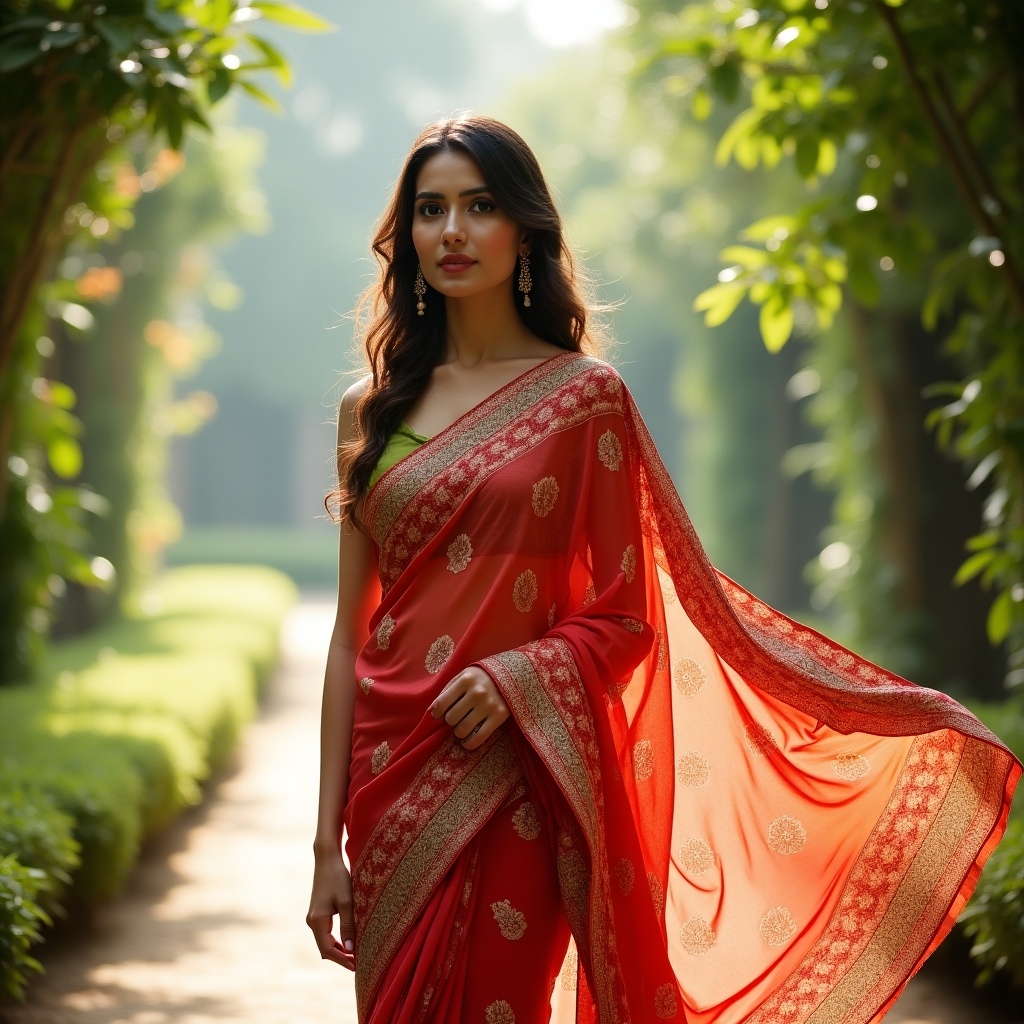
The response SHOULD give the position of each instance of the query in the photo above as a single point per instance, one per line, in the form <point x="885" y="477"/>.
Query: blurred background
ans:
<point x="807" y="215"/>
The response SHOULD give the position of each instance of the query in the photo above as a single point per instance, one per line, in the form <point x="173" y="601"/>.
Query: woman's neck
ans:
<point x="485" y="328"/>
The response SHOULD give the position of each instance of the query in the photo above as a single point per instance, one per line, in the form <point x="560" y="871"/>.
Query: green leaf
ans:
<point x="720" y="301"/>
<point x="18" y="51"/>
<point x="828" y="157"/>
<point x="725" y="79"/>
<point x="294" y="17"/>
<point x="65" y="457"/>
<point x="1000" y="618"/>
<point x="117" y="32"/>
<point x="745" y="255"/>
<point x="274" y="58"/>
<point x="701" y="105"/>
<point x="742" y="127"/>
<point x="260" y="95"/>
<point x="776" y="322"/>
<point x="219" y="85"/>
<point x="807" y="152"/>
<point x="973" y="566"/>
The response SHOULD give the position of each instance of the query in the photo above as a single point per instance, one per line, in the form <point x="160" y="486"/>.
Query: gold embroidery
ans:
<point x="760" y="742"/>
<point x="786" y="835"/>
<point x="551" y="616"/>
<point x="380" y="758"/>
<point x="692" y="769"/>
<point x="668" y="587"/>
<point x="545" y="494"/>
<point x="616" y="690"/>
<point x="365" y="683"/>
<point x="609" y="450"/>
<point x="524" y="590"/>
<point x="665" y="1001"/>
<point x="696" y="856"/>
<point x="625" y="874"/>
<point x="440" y="651"/>
<point x="643" y="760"/>
<point x="511" y="922"/>
<point x="697" y="937"/>
<point x="657" y="893"/>
<point x="460" y="551"/>
<point x="629" y="562"/>
<point x="590" y="596"/>
<point x="688" y="676"/>
<point x="662" y="651"/>
<point x="499" y="1012"/>
<point x="777" y="926"/>
<point x="525" y="821"/>
<point x="850" y="766"/>
<point x="633" y="625"/>
<point x="384" y="630"/>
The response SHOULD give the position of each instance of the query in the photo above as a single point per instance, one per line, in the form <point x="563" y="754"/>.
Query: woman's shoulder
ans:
<point x="593" y="371"/>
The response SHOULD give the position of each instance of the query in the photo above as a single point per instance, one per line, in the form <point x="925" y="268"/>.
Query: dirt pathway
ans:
<point x="211" y="930"/>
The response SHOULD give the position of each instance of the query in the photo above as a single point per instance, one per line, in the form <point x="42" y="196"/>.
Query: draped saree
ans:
<point x="745" y="821"/>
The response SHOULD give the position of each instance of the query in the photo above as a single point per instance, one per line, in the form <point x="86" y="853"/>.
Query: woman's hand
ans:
<point x="332" y="894"/>
<point x="472" y="705"/>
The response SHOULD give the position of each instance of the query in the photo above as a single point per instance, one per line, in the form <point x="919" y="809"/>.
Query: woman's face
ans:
<point x="466" y="245"/>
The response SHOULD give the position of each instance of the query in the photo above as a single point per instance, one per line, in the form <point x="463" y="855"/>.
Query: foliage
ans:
<point x="21" y="922"/>
<point x="882" y="107"/>
<point x="121" y="729"/>
<point x="85" y="80"/>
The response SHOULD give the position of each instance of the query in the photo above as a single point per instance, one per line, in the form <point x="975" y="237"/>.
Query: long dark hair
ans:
<point x="403" y="348"/>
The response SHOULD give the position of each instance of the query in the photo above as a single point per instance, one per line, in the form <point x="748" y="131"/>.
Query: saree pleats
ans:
<point x="744" y="820"/>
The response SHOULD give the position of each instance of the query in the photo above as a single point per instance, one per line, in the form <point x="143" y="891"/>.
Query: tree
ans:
<point x="81" y="80"/>
<point x="905" y="122"/>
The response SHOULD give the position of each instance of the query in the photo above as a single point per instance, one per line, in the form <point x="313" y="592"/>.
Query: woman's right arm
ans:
<point x="332" y="885"/>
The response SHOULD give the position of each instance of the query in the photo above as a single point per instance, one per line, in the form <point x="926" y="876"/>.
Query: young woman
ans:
<point x="583" y="775"/>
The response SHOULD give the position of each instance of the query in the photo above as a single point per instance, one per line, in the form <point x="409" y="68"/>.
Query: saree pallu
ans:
<point x="748" y="822"/>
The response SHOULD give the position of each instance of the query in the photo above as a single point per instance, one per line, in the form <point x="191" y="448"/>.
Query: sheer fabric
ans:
<point x="747" y="821"/>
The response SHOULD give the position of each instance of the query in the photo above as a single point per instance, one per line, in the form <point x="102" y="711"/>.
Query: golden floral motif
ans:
<point x="657" y="892"/>
<point x="697" y="937"/>
<point x="786" y="835"/>
<point x="643" y="760"/>
<point x="625" y="875"/>
<point x="665" y="1001"/>
<point x="696" y="856"/>
<point x="524" y="590"/>
<point x="662" y="651"/>
<point x="760" y="742"/>
<point x="379" y="758"/>
<point x="633" y="625"/>
<point x="525" y="821"/>
<point x="692" y="769"/>
<point x="609" y="450"/>
<point x="440" y="651"/>
<point x="777" y="927"/>
<point x="668" y="587"/>
<point x="545" y="494"/>
<point x="850" y="766"/>
<point x="365" y="683"/>
<point x="688" y="676"/>
<point x="385" y="628"/>
<point x="590" y="595"/>
<point x="499" y="1012"/>
<point x="460" y="551"/>
<point x="629" y="562"/>
<point x="511" y="922"/>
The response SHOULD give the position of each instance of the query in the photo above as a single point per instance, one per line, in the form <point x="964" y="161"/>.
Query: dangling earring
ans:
<point x="525" y="281"/>
<point x="419" y="290"/>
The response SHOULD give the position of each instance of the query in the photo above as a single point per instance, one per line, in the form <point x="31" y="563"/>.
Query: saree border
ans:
<point x="414" y="500"/>
<point x="416" y="842"/>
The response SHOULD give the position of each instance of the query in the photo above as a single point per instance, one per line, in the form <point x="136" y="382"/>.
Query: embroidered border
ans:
<point x="416" y="842"/>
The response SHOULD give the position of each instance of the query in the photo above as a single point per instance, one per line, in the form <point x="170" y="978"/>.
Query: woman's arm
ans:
<point x="332" y="886"/>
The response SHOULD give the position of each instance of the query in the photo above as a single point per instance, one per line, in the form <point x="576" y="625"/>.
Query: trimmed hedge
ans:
<point x="117" y="736"/>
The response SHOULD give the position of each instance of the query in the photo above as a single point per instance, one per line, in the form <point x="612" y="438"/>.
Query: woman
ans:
<point x="562" y="745"/>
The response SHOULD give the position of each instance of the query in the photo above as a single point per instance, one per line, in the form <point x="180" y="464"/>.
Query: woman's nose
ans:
<point x="453" y="231"/>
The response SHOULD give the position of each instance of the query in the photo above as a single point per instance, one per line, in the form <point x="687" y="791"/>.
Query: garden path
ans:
<point x="211" y="930"/>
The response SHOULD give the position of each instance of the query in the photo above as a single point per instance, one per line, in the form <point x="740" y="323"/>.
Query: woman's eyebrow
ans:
<point x="467" y="192"/>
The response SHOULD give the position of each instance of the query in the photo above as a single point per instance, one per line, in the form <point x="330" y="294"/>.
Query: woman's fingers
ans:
<point x="474" y="718"/>
<point x="330" y="948"/>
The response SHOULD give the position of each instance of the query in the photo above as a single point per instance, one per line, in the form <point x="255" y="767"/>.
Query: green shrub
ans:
<point x="21" y="921"/>
<point x="117" y="736"/>
<point x="994" y="918"/>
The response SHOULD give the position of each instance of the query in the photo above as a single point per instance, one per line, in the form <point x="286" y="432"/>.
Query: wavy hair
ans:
<point x="402" y="348"/>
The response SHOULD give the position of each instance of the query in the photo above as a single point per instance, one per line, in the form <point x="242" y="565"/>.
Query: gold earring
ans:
<point x="525" y="280"/>
<point x="419" y="290"/>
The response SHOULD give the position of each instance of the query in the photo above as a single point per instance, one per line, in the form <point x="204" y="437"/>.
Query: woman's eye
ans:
<point x="483" y="206"/>
<point x="430" y="209"/>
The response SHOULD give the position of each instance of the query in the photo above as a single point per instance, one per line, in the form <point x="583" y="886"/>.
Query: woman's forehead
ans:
<point x="449" y="172"/>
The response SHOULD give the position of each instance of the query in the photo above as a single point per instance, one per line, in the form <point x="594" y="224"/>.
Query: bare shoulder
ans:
<point x="347" y="407"/>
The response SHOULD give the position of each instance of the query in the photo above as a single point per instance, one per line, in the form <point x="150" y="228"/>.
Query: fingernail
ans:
<point x="347" y="943"/>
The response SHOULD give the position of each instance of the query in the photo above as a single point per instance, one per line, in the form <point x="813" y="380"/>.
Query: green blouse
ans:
<point x="404" y="441"/>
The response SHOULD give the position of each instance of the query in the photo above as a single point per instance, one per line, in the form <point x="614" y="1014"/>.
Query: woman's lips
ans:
<point x="456" y="265"/>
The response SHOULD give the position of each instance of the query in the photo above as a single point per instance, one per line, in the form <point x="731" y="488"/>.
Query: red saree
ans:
<point x="747" y="821"/>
